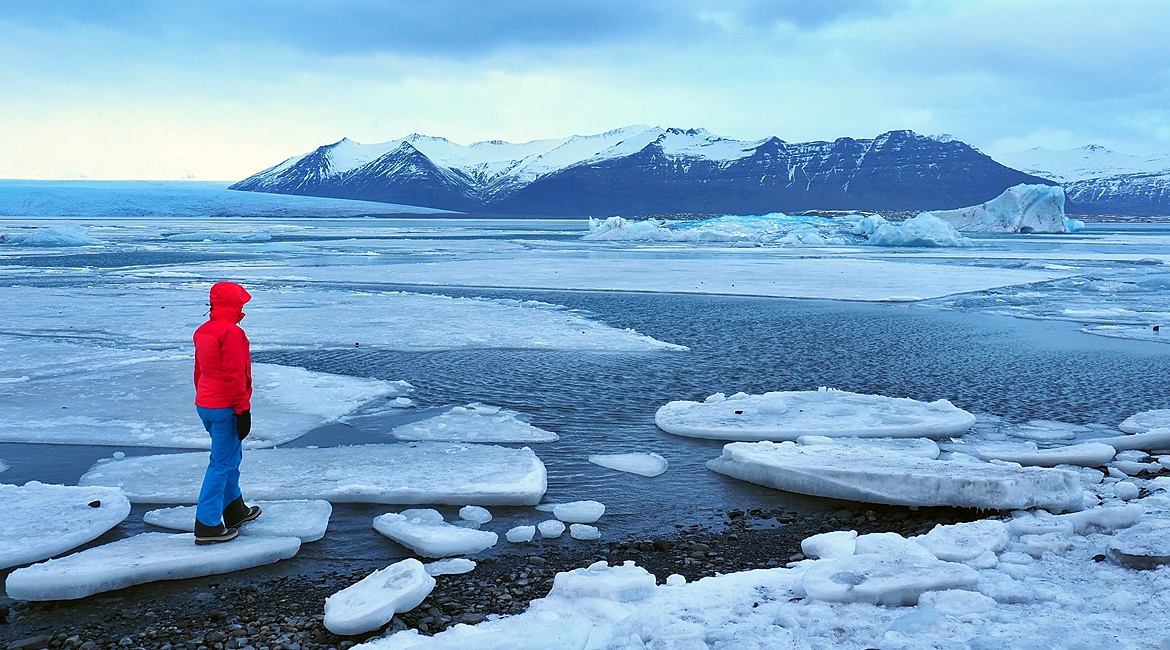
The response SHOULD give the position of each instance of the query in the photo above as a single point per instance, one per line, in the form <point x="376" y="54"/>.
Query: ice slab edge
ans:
<point x="39" y="520"/>
<point x="148" y="557"/>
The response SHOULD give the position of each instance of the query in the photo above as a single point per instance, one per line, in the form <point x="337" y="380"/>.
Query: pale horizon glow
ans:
<point x="132" y="89"/>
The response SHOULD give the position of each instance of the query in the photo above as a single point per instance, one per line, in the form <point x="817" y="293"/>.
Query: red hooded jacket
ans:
<point x="223" y="364"/>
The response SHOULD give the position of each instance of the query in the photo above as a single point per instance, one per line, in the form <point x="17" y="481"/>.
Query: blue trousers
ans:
<point x="221" y="483"/>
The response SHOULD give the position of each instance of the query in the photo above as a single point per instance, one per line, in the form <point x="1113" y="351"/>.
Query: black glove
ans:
<point x="244" y="424"/>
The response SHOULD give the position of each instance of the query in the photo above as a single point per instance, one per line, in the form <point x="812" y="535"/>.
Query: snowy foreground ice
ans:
<point x="427" y="472"/>
<point x="788" y="415"/>
<point x="475" y="423"/>
<point x="303" y="519"/>
<point x="146" y="557"/>
<point x="39" y="521"/>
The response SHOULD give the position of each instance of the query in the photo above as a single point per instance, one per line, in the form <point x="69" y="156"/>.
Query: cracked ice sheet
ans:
<point x="831" y="278"/>
<point x="70" y="394"/>
<point x="152" y="315"/>
<point x="415" y="473"/>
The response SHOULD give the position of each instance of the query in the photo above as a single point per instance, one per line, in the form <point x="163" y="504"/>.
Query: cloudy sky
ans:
<point x="218" y="89"/>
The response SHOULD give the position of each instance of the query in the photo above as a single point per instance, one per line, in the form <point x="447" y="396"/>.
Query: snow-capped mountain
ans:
<point x="648" y="170"/>
<point x="1098" y="180"/>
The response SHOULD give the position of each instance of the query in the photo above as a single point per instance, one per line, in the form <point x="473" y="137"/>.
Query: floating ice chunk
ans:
<point x="520" y="534"/>
<point x="1125" y="490"/>
<point x="923" y="230"/>
<point x="966" y="541"/>
<point x="957" y="602"/>
<point x="3" y="465"/>
<point x="371" y="602"/>
<point x="839" y="543"/>
<point x="1132" y="468"/>
<point x="450" y="566"/>
<point x="425" y="515"/>
<point x="1020" y="209"/>
<point x="1046" y="430"/>
<point x="1143" y="546"/>
<point x="431" y="538"/>
<point x="884" y="579"/>
<point x="240" y="237"/>
<point x="551" y="528"/>
<point x="143" y="558"/>
<point x="584" y="532"/>
<point x="579" y="512"/>
<point x="831" y="413"/>
<point x="39" y="521"/>
<point x="1089" y="454"/>
<point x="305" y="520"/>
<point x="475" y="513"/>
<point x="884" y="477"/>
<point x="649" y="465"/>
<point x="624" y="584"/>
<point x="920" y="447"/>
<point x="1152" y="440"/>
<point x="1146" y="420"/>
<point x="425" y="472"/>
<point x="475" y="423"/>
<point x="61" y="236"/>
<point x="889" y="544"/>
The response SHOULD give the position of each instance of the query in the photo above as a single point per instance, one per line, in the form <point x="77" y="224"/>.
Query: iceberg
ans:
<point x="1020" y="209"/>
<point x="924" y="230"/>
<point x="786" y="416"/>
<point x="475" y="423"/>
<point x="649" y="465"/>
<point x="305" y="520"/>
<point x="840" y="472"/>
<point x="38" y="521"/>
<point x="371" y="602"/>
<point x="425" y="533"/>
<point x="584" y="532"/>
<point x="147" y="557"/>
<point x="520" y="534"/>
<point x="62" y="236"/>
<point x="425" y="472"/>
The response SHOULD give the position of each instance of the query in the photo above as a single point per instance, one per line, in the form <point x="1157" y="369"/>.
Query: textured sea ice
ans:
<point x="1146" y="420"/>
<point x="430" y="537"/>
<point x="551" y="528"/>
<point x="921" y="447"/>
<point x="305" y="520"/>
<point x="832" y="413"/>
<point x="1088" y="454"/>
<point x="584" y="532"/>
<point x="838" y="472"/>
<point x="371" y="602"/>
<point x="538" y="631"/>
<point x="896" y="580"/>
<point x="579" y="512"/>
<point x="475" y="423"/>
<point x="38" y="521"/>
<point x="649" y="464"/>
<point x="1143" y="546"/>
<point x="143" y="558"/>
<point x="966" y="541"/>
<point x="425" y="472"/>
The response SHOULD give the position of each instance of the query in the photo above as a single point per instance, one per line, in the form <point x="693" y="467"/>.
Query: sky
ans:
<point x="220" y="89"/>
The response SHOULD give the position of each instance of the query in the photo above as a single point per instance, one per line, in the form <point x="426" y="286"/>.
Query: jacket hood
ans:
<point x="227" y="301"/>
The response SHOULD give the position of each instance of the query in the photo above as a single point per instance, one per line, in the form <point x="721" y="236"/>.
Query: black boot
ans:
<point x="237" y="512"/>
<point x="213" y="534"/>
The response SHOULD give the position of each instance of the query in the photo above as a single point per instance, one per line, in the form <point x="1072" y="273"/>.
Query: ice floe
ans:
<point x="626" y="583"/>
<point x="147" y="557"/>
<point x="1152" y="440"/>
<point x="839" y="471"/>
<point x="425" y="533"/>
<point x="371" y="602"/>
<point x="475" y="423"/>
<point x="1146" y="420"/>
<point x="579" y="512"/>
<point x="414" y="473"/>
<point x="584" y="532"/>
<point x="643" y="464"/>
<point x="1020" y="209"/>
<point x="38" y="521"/>
<point x="520" y="534"/>
<point x="838" y="543"/>
<point x="1088" y="454"/>
<point x="450" y="566"/>
<point x="551" y="528"/>
<point x="303" y="519"/>
<point x="1143" y="546"/>
<point x="59" y="236"/>
<point x="475" y="514"/>
<point x="778" y="416"/>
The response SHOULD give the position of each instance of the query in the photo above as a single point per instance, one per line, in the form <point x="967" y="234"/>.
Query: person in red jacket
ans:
<point x="223" y="394"/>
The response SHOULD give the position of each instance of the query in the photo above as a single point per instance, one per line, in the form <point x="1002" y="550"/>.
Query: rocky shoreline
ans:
<point x="256" y="610"/>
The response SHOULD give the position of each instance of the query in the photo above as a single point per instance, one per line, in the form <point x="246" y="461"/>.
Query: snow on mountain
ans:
<point x="1098" y="180"/>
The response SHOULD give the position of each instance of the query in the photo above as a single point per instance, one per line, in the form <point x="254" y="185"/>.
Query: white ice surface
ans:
<point x="450" y="566"/>
<point x="1088" y="454"/>
<point x="475" y="513"/>
<point x="832" y="413"/>
<point x="584" y="532"/>
<point x="923" y="230"/>
<point x="551" y="528"/>
<point x="966" y="541"/>
<point x="1023" y="208"/>
<point x="305" y="520"/>
<point x="921" y="447"/>
<point x="643" y="464"/>
<point x="878" y="579"/>
<point x="430" y="536"/>
<point x="520" y="534"/>
<point x="147" y="557"/>
<point x="840" y="472"/>
<point x="1146" y="420"/>
<point x="138" y="398"/>
<point x="838" y="543"/>
<point x="38" y="521"/>
<point x="398" y="473"/>
<point x="1143" y="546"/>
<point x="475" y="423"/>
<point x="579" y="512"/>
<point x="1152" y="440"/>
<point x="372" y="601"/>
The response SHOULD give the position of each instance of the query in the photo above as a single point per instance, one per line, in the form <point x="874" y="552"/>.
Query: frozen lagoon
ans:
<point x="603" y="401"/>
